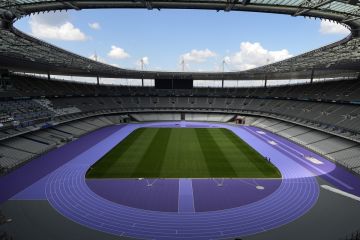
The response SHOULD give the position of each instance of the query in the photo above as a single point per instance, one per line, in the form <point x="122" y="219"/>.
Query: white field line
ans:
<point x="338" y="191"/>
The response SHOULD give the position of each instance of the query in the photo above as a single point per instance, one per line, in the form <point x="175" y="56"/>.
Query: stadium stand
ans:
<point x="143" y="117"/>
<point x="318" y="116"/>
<point x="17" y="150"/>
<point x="209" y="117"/>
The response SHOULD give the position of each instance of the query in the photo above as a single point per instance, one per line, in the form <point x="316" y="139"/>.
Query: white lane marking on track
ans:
<point x="313" y="160"/>
<point x="338" y="191"/>
<point x="272" y="142"/>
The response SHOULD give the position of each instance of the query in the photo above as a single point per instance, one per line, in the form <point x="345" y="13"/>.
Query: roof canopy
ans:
<point x="21" y="52"/>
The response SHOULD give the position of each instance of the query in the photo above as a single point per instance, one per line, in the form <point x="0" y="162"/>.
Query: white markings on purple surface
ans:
<point x="186" y="196"/>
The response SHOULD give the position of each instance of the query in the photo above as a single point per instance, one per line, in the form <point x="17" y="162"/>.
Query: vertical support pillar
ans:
<point x="48" y="76"/>
<point x="5" y="79"/>
<point x="97" y="80"/>
<point x="5" y="24"/>
<point x="142" y="82"/>
<point x="2" y="82"/>
<point x="265" y="85"/>
<point x="312" y="76"/>
<point x="222" y="83"/>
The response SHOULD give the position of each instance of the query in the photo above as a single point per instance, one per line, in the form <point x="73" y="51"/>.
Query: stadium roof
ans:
<point x="340" y="10"/>
<point x="19" y="51"/>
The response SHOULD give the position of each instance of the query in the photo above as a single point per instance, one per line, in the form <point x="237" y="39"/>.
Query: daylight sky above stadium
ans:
<point x="162" y="39"/>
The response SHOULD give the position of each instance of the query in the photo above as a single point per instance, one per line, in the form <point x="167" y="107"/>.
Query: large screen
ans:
<point x="173" y="83"/>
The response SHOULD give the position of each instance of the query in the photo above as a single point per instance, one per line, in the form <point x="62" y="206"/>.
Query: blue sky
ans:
<point x="163" y="38"/>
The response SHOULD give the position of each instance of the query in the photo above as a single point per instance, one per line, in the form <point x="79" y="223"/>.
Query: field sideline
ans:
<point x="182" y="153"/>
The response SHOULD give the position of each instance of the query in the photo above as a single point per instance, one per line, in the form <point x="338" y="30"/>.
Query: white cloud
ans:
<point x="95" y="25"/>
<point x="327" y="27"/>
<point x="118" y="53"/>
<point x="253" y="55"/>
<point x="59" y="27"/>
<point x="197" y="55"/>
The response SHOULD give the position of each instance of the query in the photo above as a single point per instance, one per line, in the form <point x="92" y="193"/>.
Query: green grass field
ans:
<point x="182" y="153"/>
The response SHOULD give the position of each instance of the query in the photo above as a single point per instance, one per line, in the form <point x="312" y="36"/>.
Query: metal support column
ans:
<point x="265" y="85"/>
<point x="312" y="76"/>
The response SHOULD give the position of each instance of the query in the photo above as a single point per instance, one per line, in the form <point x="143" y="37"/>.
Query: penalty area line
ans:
<point x="343" y="193"/>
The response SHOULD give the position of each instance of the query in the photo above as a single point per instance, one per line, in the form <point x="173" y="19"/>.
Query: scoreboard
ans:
<point x="174" y="83"/>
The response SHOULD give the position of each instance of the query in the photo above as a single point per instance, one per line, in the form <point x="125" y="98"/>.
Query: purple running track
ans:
<point x="36" y="169"/>
<point x="67" y="191"/>
<point x="144" y="194"/>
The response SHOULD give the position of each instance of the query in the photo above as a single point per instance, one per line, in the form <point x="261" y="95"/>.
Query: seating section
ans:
<point x="145" y="117"/>
<point x="340" y="150"/>
<point x="38" y="114"/>
<point x="11" y="157"/>
<point x="304" y="104"/>
<point x="57" y="111"/>
<point x="29" y="86"/>
<point x="209" y="117"/>
<point x="22" y="112"/>
<point x="18" y="150"/>
<point x="337" y="118"/>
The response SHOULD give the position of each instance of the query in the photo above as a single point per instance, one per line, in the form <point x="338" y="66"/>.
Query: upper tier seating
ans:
<point x="27" y="86"/>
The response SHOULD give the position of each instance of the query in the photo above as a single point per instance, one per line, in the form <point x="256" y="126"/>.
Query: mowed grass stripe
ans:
<point x="184" y="156"/>
<point x="240" y="161"/>
<point x="216" y="161"/>
<point x="110" y="159"/>
<point x="152" y="161"/>
<point x="128" y="161"/>
<point x="252" y="156"/>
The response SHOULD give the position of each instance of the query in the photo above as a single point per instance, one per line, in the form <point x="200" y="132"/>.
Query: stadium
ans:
<point x="168" y="158"/>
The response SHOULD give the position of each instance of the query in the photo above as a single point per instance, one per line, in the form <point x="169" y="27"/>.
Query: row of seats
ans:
<point x="329" y="114"/>
<point x="208" y="117"/>
<point x="341" y="119"/>
<point x="147" y="117"/>
<point x="21" y="86"/>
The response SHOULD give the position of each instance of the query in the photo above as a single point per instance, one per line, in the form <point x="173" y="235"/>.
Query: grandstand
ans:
<point x="53" y="133"/>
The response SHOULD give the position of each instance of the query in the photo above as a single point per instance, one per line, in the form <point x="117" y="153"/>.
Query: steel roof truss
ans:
<point x="309" y="5"/>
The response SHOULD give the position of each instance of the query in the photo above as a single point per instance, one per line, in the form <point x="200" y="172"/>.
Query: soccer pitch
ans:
<point x="182" y="153"/>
